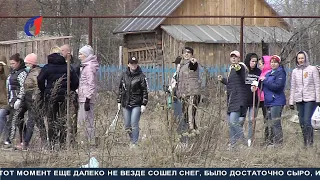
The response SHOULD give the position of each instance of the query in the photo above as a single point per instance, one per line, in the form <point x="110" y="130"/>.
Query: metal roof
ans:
<point x="148" y="8"/>
<point x="226" y="33"/>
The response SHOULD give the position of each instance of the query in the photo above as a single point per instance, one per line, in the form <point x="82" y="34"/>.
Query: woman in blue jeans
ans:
<point x="237" y="101"/>
<point x="133" y="97"/>
<point x="305" y="93"/>
<point x="274" y="98"/>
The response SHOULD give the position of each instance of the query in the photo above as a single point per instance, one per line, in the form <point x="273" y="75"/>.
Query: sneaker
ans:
<point x="133" y="146"/>
<point x="7" y="146"/>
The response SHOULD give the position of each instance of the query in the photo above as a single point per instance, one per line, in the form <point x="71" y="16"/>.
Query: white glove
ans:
<point x="255" y="83"/>
<point x="17" y="104"/>
<point x="119" y="106"/>
<point x="143" y="109"/>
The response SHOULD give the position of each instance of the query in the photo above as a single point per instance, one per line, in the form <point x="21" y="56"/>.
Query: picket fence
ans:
<point x="157" y="76"/>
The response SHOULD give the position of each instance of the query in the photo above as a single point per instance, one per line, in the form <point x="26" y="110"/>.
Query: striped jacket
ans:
<point x="305" y="83"/>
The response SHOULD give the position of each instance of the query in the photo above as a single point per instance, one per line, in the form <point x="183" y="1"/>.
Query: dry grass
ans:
<point x="158" y="141"/>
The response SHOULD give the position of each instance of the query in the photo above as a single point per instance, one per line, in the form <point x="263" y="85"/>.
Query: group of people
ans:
<point x="260" y="83"/>
<point x="250" y="85"/>
<point x="42" y="94"/>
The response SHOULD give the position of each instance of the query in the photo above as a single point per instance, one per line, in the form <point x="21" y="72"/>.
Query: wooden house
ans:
<point x="161" y="40"/>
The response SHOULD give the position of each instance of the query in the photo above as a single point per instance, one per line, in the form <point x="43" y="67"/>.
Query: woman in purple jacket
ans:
<point x="87" y="92"/>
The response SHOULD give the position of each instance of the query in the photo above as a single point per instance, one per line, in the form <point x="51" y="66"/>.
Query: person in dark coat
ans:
<point x="16" y="93"/>
<point x="253" y="75"/>
<point x="54" y="93"/>
<point x="236" y="94"/>
<point x="133" y="97"/>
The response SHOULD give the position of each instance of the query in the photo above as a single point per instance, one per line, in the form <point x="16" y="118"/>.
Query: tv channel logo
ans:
<point x="34" y="21"/>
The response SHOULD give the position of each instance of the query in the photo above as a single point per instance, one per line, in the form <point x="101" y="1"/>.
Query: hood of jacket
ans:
<point x="267" y="65"/>
<point x="306" y="60"/>
<point x="56" y="58"/>
<point x="135" y="72"/>
<point x="248" y="59"/>
<point x="91" y="60"/>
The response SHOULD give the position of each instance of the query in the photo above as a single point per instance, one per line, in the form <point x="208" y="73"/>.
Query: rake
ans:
<point x="113" y="125"/>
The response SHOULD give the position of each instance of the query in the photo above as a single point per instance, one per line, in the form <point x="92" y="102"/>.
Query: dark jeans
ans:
<point x="268" y="132"/>
<point x="34" y="118"/>
<point x="274" y="124"/>
<point x="306" y="110"/>
<point x="189" y="110"/>
<point x="57" y="123"/>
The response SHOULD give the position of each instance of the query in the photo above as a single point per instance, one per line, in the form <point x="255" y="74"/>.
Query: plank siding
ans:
<point x="224" y="7"/>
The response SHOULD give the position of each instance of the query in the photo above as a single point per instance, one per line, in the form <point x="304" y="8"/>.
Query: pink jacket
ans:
<point x="264" y="71"/>
<point x="305" y="83"/>
<point x="88" y="79"/>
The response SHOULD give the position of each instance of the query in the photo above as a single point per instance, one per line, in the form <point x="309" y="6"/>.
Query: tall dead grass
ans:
<point x="158" y="141"/>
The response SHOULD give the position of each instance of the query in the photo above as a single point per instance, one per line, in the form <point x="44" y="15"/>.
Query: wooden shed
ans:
<point x="158" y="40"/>
<point x="40" y="46"/>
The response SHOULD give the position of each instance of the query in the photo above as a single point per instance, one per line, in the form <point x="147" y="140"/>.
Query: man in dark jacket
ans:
<point x="75" y="66"/>
<point x="54" y="93"/>
<point x="253" y="75"/>
<point x="236" y="94"/>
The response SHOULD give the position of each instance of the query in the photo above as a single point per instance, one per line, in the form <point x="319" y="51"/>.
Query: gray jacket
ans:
<point x="189" y="82"/>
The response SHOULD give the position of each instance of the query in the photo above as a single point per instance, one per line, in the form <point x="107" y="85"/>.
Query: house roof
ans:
<point x="226" y="33"/>
<point x="148" y="8"/>
<point x="155" y="8"/>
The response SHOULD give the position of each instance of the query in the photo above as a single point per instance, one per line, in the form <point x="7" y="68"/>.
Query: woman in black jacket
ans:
<point x="52" y="83"/>
<point x="133" y="97"/>
<point x="236" y="94"/>
<point x="253" y="75"/>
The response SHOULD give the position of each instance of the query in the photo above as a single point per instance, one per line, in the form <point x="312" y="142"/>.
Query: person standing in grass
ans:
<point x="274" y="98"/>
<point x="236" y="99"/>
<point x="4" y="107"/>
<point x="189" y="88"/>
<point x="87" y="93"/>
<point x="16" y="93"/>
<point x="254" y="72"/>
<point x="133" y="98"/>
<point x="52" y="83"/>
<point x="305" y="93"/>
<point x="265" y="67"/>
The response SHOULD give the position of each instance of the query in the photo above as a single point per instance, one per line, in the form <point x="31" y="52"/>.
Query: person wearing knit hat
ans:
<point x="274" y="98"/>
<point x="87" y="94"/>
<point x="31" y="92"/>
<point x="86" y="51"/>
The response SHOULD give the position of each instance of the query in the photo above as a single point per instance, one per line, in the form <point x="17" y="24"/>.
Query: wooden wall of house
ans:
<point x="209" y="54"/>
<point x="147" y="47"/>
<point x="225" y="8"/>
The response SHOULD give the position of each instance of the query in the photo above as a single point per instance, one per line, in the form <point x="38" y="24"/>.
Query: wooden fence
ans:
<point x="109" y="75"/>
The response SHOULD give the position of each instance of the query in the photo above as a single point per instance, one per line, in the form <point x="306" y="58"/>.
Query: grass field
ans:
<point x="158" y="142"/>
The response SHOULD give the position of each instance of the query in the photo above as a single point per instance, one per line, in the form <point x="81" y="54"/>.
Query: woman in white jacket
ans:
<point x="305" y="93"/>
